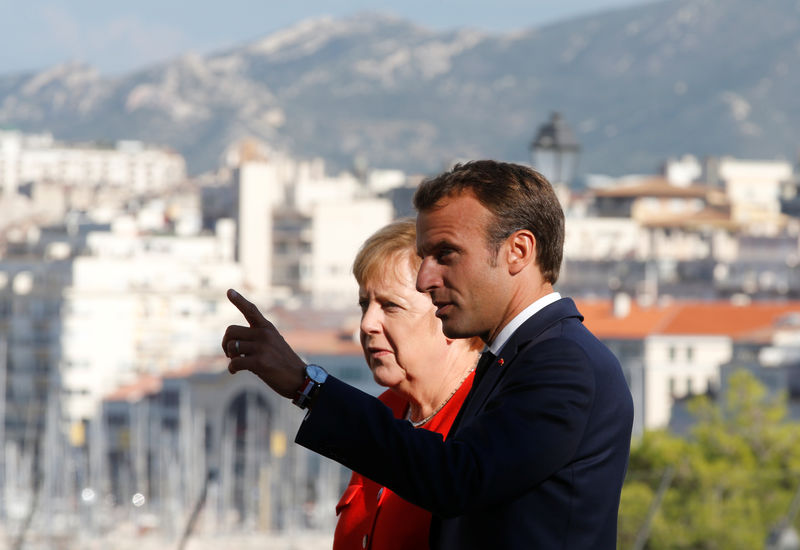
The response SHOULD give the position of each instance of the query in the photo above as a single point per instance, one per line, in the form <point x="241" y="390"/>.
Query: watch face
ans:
<point x="316" y="373"/>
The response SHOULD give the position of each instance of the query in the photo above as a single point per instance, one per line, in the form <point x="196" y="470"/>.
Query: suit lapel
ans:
<point x="527" y="334"/>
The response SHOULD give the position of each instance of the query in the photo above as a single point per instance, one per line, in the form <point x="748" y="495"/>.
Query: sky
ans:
<point x="117" y="37"/>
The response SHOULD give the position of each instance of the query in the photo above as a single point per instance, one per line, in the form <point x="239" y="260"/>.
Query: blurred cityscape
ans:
<point x="120" y="423"/>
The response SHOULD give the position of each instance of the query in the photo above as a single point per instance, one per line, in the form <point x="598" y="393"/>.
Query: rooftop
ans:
<point x="690" y="318"/>
<point x="655" y="187"/>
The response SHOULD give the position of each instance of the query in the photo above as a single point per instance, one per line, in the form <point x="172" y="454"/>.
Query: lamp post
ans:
<point x="554" y="151"/>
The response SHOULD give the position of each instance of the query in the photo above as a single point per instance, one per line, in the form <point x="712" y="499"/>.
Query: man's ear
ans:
<point x="521" y="250"/>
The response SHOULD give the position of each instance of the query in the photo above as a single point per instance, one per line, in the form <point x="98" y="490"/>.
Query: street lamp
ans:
<point x="555" y="150"/>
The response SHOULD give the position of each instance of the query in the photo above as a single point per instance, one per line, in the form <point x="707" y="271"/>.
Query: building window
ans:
<point x="672" y="353"/>
<point x="170" y="398"/>
<point x="116" y="419"/>
<point x="690" y="354"/>
<point x="689" y="387"/>
<point x="672" y="386"/>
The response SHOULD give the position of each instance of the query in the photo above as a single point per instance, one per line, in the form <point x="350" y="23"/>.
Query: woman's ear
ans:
<point x="521" y="250"/>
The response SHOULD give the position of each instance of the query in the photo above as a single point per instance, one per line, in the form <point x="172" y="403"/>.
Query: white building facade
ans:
<point x="300" y="229"/>
<point x="678" y="366"/>
<point x="130" y="164"/>
<point x="754" y="190"/>
<point x="143" y="304"/>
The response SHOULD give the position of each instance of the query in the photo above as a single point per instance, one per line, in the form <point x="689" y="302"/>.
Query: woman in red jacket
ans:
<point x="428" y="376"/>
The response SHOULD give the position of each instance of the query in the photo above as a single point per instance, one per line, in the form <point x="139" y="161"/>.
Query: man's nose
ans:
<point x="427" y="276"/>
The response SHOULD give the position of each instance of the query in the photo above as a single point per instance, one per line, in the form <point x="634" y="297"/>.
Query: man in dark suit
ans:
<point x="538" y="454"/>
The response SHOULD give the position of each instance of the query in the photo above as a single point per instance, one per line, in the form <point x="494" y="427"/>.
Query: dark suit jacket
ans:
<point x="538" y="457"/>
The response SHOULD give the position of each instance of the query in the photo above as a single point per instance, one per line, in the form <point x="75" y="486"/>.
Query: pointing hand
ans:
<point x="261" y="349"/>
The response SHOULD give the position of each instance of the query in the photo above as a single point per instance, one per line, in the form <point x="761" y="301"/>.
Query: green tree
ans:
<point x="734" y="475"/>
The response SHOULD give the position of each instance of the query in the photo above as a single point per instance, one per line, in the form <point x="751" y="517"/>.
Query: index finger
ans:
<point x="248" y="309"/>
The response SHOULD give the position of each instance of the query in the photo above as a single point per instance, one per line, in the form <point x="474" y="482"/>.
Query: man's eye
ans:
<point x="444" y="253"/>
<point x="391" y="306"/>
<point x="363" y="304"/>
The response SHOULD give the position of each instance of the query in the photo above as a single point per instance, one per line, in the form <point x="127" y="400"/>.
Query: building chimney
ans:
<point x="622" y="304"/>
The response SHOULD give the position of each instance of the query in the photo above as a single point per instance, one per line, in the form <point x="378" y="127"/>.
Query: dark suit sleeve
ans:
<point x="530" y="428"/>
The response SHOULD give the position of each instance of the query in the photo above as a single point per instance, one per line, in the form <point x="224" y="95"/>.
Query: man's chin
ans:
<point x="453" y="330"/>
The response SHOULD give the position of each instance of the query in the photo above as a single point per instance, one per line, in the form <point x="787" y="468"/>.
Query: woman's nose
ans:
<point x="370" y="319"/>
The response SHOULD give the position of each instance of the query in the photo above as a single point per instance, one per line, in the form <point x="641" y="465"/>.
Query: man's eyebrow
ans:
<point x="421" y="249"/>
<point x="443" y="243"/>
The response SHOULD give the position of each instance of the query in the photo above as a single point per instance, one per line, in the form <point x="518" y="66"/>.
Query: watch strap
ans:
<point x="307" y="392"/>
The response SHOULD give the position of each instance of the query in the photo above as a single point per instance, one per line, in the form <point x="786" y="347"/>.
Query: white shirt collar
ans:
<point x="521" y="317"/>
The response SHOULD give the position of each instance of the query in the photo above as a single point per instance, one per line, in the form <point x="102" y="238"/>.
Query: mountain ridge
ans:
<point x="637" y="84"/>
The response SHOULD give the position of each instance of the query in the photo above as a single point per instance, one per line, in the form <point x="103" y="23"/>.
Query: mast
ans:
<point x="3" y="378"/>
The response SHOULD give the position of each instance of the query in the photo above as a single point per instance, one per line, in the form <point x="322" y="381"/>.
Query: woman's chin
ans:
<point x="386" y="379"/>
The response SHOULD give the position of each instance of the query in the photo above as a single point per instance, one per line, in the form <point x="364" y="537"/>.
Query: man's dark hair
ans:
<point x="518" y="198"/>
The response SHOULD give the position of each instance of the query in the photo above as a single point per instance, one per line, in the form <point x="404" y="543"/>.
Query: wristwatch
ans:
<point x="315" y="377"/>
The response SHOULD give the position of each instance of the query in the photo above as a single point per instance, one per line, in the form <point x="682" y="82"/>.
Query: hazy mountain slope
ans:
<point x="638" y="85"/>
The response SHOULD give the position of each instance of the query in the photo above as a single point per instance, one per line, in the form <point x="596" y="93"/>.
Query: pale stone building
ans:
<point x="132" y="165"/>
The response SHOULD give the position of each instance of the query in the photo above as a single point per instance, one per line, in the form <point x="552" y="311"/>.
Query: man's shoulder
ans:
<point x="551" y="317"/>
<point x="559" y="327"/>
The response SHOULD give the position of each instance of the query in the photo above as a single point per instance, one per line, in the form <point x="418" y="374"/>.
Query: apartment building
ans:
<point x="132" y="165"/>
<point x="676" y="349"/>
<point x="297" y="237"/>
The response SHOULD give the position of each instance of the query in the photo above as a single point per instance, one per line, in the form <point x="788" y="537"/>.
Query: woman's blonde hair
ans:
<point x="386" y="249"/>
